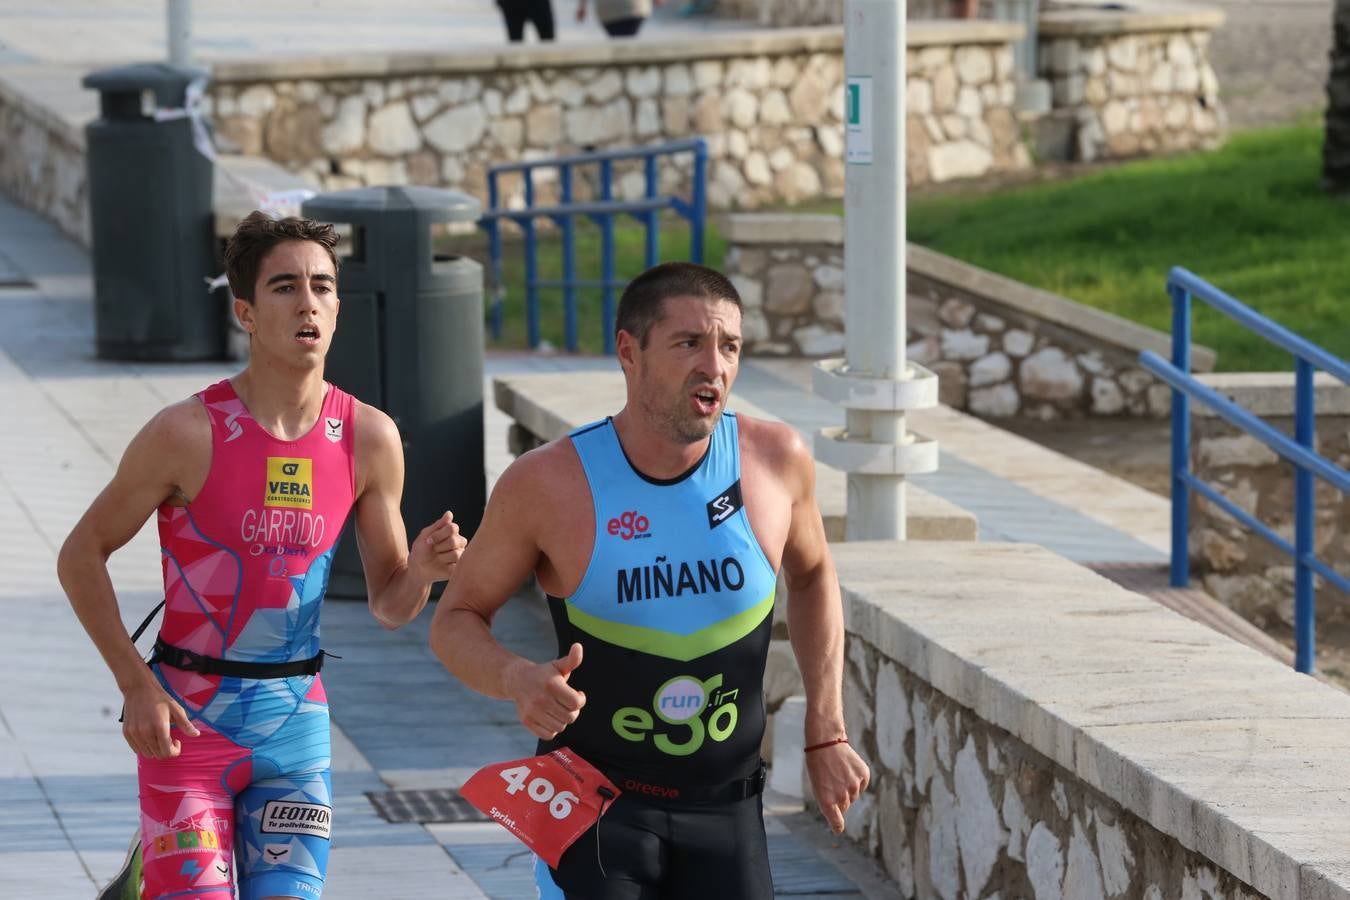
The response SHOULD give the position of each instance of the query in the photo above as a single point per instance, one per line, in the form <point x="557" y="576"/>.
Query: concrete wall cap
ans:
<point x="1272" y="393"/>
<point x="1090" y="22"/>
<point x="571" y="55"/>
<point x="758" y="42"/>
<point x="1102" y="326"/>
<point x="932" y="32"/>
<point x="782" y="228"/>
<point x="66" y="127"/>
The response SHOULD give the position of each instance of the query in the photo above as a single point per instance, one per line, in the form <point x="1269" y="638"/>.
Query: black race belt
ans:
<point x="178" y="658"/>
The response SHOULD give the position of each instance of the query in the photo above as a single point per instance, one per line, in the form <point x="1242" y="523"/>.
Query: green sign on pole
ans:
<point x="858" y="120"/>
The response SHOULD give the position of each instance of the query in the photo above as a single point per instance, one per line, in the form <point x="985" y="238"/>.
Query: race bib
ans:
<point x="547" y="801"/>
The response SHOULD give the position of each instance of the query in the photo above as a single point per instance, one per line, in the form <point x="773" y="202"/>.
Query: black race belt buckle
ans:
<point x="178" y="658"/>
<point x="750" y="786"/>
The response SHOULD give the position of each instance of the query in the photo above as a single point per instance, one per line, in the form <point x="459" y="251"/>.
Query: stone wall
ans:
<point x="999" y="347"/>
<point x="770" y="104"/>
<point x="960" y="808"/>
<point x="42" y="163"/>
<point x="1034" y="730"/>
<point x="1136" y="83"/>
<point x="1234" y="563"/>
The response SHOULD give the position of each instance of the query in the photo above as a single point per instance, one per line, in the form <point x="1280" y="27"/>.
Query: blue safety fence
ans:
<point x="1184" y="286"/>
<point x="602" y="209"/>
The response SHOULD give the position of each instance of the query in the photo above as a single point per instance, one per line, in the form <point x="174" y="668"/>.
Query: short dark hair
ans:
<point x="640" y="305"/>
<point x="255" y="237"/>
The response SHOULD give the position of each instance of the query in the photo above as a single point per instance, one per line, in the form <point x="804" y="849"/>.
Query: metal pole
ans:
<point x="1304" y="521"/>
<point x="495" y="257"/>
<point x="874" y="247"/>
<point x="607" y="255"/>
<point x="653" y="244"/>
<point x="875" y="384"/>
<point x="531" y="267"/>
<point x="1181" y="439"/>
<point x="569" y="254"/>
<point x="179" y="22"/>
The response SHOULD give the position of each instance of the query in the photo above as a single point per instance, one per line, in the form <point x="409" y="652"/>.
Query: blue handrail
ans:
<point x="1183" y="286"/>
<point x="601" y="210"/>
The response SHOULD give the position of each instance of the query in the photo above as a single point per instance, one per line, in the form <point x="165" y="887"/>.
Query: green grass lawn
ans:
<point x="1250" y="218"/>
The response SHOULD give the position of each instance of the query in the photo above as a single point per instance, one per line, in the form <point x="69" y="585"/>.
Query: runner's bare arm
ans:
<point x="816" y="629"/>
<point x="171" y="451"/>
<point x="398" y="577"/>
<point x="504" y="552"/>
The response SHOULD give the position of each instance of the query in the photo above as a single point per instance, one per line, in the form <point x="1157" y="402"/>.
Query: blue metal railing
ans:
<point x="1183" y="286"/>
<point x="601" y="210"/>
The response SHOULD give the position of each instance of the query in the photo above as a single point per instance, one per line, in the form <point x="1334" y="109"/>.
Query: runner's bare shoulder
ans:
<point x="373" y="427"/>
<point x="542" y="479"/>
<point x="175" y="444"/>
<point x="774" y="445"/>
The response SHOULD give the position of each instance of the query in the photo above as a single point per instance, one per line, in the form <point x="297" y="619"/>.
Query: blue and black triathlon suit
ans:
<point x="674" y="614"/>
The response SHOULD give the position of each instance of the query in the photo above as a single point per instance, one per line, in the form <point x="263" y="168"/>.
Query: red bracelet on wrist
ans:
<point x="824" y="744"/>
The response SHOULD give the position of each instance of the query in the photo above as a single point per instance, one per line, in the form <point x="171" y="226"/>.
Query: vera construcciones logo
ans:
<point x="631" y="525"/>
<point x="290" y="483"/>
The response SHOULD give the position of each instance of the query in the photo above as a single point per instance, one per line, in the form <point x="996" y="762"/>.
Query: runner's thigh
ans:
<point x="187" y="816"/>
<point x="628" y="863"/>
<point x="719" y="851"/>
<point x="284" y="817"/>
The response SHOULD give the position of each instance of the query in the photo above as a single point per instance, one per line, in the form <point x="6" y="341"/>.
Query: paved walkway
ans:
<point x="1271" y="58"/>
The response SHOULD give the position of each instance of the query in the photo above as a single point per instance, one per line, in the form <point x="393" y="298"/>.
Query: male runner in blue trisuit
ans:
<point x="658" y="535"/>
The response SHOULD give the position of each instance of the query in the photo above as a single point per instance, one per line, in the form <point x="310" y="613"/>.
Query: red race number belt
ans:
<point x="547" y="801"/>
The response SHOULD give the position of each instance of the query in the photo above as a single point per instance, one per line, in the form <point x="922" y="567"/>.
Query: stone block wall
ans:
<point x="999" y="347"/>
<point x="959" y="808"/>
<point x="1235" y="564"/>
<point x="1136" y="83"/>
<point x="959" y="116"/>
<point x="769" y="103"/>
<point x="42" y="163"/>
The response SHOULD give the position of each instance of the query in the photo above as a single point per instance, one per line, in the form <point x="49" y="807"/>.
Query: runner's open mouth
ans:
<point x="706" y="399"/>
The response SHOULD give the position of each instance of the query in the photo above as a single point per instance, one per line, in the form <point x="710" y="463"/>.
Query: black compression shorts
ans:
<point x="651" y="852"/>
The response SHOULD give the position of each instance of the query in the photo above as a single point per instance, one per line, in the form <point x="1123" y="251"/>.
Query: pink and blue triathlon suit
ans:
<point x="246" y="563"/>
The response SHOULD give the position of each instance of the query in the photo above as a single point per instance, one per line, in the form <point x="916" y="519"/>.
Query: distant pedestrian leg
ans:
<point x="517" y="12"/>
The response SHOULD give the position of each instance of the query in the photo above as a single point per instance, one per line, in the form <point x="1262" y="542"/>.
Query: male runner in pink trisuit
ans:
<point x="252" y="480"/>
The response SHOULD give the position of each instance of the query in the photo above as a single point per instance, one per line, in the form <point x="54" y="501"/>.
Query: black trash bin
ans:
<point x="150" y="205"/>
<point x="409" y="340"/>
